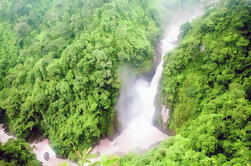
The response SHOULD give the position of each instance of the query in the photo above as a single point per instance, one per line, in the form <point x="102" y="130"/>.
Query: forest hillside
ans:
<point x="207" y="86"/>
<point x="59" y="65"/>
<point x="59" y="78"/>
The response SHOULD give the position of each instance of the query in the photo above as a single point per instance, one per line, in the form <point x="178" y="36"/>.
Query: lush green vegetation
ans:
<point x="207" y="85"/>
<point x="59" y="62"/>
<point x="16" y="152"/>
<point x="59" y="65"/>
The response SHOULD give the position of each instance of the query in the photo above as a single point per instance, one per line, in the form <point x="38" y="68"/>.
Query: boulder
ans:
<point x="46" y="156"/>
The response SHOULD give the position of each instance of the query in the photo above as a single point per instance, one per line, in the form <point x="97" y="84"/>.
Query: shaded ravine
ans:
<point x="136" y="110"/>
<point x="137" y="103"/>
<point x="39" y="149"/>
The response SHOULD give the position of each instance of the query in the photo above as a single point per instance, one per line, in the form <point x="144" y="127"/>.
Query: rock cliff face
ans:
<point x="114" y="128"/>
<point x="162" y="114"/>
<point x="157" y="120"/>
<point x="155" y="62"/>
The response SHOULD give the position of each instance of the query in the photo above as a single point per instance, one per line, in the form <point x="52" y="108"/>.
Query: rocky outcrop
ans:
<point x="46" y="156"/>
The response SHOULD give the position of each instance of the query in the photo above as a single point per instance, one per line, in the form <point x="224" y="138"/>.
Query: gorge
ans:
<point x="136" y="108"/>
<point x="125" y="82"/>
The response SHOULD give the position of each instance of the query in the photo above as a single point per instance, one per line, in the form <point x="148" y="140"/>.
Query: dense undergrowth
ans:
<point x="17" y="152"/>
<point x="59" y="65"/>
<point x="59" y="77"/>
<point x="207" y="85"/>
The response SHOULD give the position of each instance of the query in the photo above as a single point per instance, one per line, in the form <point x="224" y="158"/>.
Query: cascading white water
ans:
<point x="138" y="131"/>
<point x="138" y="110"/>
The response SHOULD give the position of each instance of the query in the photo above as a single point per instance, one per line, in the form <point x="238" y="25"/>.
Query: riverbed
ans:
<point x="136" y="111"/>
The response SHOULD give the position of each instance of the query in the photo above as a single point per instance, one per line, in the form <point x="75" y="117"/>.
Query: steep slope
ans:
<point x="207" y="84"/>
<point x="59" y="62"/>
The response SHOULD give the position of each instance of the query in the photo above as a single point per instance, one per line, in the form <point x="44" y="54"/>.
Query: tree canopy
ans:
<point x="59" y="64"/>
<point x="206" y="84"/>
<point x="17" y="152"/>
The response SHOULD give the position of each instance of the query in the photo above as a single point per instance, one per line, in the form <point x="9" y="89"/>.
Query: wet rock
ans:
<point x="154" y="144"/>
<point x="113" y="129"/>
<point x="46" y="156"/>
<point x="148" y="75"/>
<point x="161" y="119"/>
<point x="158" y="54"/>
<point x="138" y="150"/>
<point x="161" y="115"/>
<point x="164" y="116"/>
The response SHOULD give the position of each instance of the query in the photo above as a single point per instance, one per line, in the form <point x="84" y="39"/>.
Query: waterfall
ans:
<point x="138" y="132"/>
<point x="136" y="106"/>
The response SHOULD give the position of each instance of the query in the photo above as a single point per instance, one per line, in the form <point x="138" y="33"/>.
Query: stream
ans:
<point x="136" y="110"/>
<point x="137" y="103"/>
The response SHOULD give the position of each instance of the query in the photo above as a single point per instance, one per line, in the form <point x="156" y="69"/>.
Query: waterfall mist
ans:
<point x="136" y="104"/>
